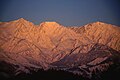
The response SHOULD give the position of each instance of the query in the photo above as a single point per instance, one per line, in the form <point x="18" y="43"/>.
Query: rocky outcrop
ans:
<point x="51" y="45"/>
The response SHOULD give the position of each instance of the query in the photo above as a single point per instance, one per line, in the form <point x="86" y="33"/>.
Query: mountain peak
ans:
<point x="22" y="20"/>
<point x="99" y="23"/>
<point x="49" y="24"/>
<point x="51" y="28"/>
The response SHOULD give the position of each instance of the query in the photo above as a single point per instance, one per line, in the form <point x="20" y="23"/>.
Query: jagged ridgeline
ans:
<point x="87" y="52"/>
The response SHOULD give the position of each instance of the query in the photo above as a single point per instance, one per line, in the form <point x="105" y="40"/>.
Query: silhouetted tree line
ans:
<point x="47" y="75"/>
<point x="113" y="73"/>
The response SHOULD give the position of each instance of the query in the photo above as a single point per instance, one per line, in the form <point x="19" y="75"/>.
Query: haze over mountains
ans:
<point x="80" y="50"/>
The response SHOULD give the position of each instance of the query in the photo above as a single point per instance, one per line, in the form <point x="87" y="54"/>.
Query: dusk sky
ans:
<point x="65" y="12"/>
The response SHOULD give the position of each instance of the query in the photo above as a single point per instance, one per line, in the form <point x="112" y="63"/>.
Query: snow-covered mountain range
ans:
<point x="80" y="50"/>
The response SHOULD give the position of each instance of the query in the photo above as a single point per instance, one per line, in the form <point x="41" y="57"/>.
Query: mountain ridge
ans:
<point x="52" y="45"/>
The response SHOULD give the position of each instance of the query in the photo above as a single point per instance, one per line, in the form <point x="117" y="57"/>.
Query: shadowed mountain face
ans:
<point x="90" y="51"/>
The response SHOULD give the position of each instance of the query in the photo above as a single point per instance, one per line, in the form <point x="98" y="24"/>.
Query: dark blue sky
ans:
<point x="65" y="12"/>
